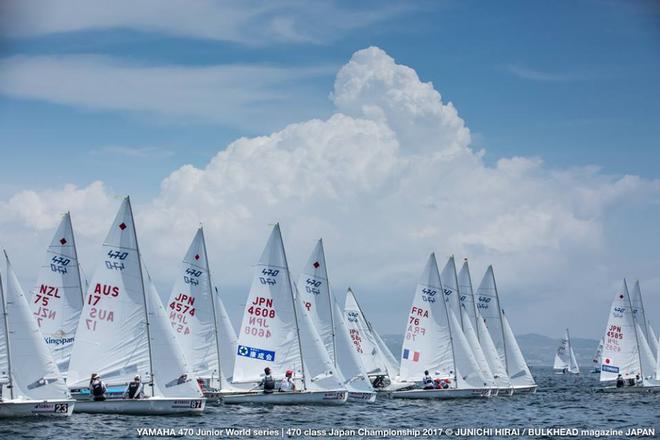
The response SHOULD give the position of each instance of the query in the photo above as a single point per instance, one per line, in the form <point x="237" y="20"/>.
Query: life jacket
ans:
<point x="97" y="388"/>
<point x="133" y="388"/>
<point x="269" y="383"/>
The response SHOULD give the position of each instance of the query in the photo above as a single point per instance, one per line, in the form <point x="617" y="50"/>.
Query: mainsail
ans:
<point x="57" y="299"/>
<point x="565" y="356"/>
<point x="192" y="312"/>
<point x="26" y="362"/>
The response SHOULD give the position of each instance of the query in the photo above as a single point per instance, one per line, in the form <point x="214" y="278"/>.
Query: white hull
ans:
<point x="27" y="408"/>
<point x="451" y="393"/>
<point x="525" y="389"/>
<point x="504" y="392"/>
<point x="631" y="389"/>
<point x="355" y="396"/>
<point x="292" y="398"/>
<point x="146" y="406"/>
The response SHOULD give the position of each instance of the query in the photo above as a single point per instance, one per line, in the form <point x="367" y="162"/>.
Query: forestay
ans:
<point x="111" y="338"/>
<point x="57" y="298"/>
<point x="34" y="373"/>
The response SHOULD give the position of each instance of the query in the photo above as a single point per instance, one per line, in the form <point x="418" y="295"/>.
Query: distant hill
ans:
<point x="538" y="350"/>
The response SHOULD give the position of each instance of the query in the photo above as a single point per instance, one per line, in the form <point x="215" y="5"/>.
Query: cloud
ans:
<point x="528" y="73"/>
<point x="249" y="22"/>
<point x="239" y="95"/>
<point x="133" y="152"/>
<point x="389" y="177"/>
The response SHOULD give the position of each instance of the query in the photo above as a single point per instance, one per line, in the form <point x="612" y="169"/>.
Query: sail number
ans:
<point x="42" y="298"/>
<point x="357" y="340"/>
<point x="417" y="315"/>
<point x="260" y="312"/>
<point x="615" y="332"/>
<point x="97" y="314"/>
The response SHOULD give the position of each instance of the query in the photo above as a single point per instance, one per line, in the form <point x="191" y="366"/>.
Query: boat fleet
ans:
<point x="70" y="337"/>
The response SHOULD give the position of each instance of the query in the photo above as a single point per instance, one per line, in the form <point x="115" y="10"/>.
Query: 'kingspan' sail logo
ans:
<point x="352" y="316"/>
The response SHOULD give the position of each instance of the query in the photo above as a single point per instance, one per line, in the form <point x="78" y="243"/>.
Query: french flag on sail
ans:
<point x="407" y="355"/>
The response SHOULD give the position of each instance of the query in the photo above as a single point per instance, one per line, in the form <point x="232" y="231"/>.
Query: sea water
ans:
<point x="565" y="406"/>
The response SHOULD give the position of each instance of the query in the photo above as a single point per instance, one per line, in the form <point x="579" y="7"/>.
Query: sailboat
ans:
<point x="626" y="355"/>
<point x="453" y="295"/>
<point x="565" y="361"/>
<point x="379" y="362"/>
<point x="57" y="298"/>
<point x="30" y="382"/>
<point x="320" y="304"/>
<point x="200" y="321"/>
<point x="469" y="306"/>
<point x="488" y="303"/>
<point x="640" y="317"/>
<point x="124" y="331"/>
<point x="596" y="360"/>
<point x="434" y="342"/>
<point x="275" y="333"/>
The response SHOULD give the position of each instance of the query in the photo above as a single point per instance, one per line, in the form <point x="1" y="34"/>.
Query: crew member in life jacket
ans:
<point x="267" y="383"/>
<point x="441" y="384"/>
<point x="427" y="381"/>
<point x="287" y="383"/>
<point x="134" y="390"/>
<point x="97" y="387"/>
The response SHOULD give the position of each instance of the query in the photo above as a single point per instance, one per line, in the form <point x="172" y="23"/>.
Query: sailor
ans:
<point x="619" y="381"/>
<point x="267" y="383"/>
<point x="379" y="381"/>
<point x="287" y="383"/>
<point x="427" y="381"/>
<point x="134" y="390"/>
<point x="97" y="387"/>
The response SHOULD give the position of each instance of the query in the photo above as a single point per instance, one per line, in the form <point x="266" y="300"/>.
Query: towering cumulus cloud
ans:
<point x="386" y="179"/>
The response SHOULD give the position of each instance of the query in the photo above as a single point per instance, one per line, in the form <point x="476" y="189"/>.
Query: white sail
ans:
<point x="620" y="351"/>
<point x="573" y="366"/>
<point x="111" y="338"/>
<point x="596" y="360"/>
<point x="562" y="356"/>
<point x="364" y="340"/>
<point x="27" y="361"/>
<point x="391" y="364"/>
<point x="172" y="376"/>
<point x="450" y="287"/>
<point x="653" y="336"/>
<point x="57" y="299"/>
<point x="638" y="310"/>
<point x="646" y="359"/>
<point x="469" y="305"/>
<point x="347" y="360"/>
<point x="518" y="371"/>
<point x="315" y="296"/>
<point x="227" y="340"/>
<point x="488" y="305"/>
<point x="477" y="351"/>
<point x="192" y="313"/>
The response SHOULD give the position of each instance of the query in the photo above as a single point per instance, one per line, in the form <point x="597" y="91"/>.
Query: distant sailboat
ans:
<point x="626" y="357"/>
<point x="435" y="343"/>
<point x="57" y="299"/>
<point x="488" y="303"/>
<point x="320" y="304"/>
<point x="30" y="382"/>
<point x="565" y="361"/>
<point x="275" y="333"/>
<point x="378" y="360"/>
<point x="470" y="307"/>
<point x="124" y="331"/>
<point x="596" y="360"/>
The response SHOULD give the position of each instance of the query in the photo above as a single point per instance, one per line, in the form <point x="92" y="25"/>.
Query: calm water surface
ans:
<point x="562" y="401"/>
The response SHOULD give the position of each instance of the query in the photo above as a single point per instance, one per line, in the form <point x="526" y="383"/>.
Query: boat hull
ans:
<point x="146" y="406"/>
<point x="355" y="396"/>
<point x="28" y="408"/>
<point x="504" y="392"/>
<point x="531" y="389"/>
<point x="631" y="389"/>
<point x="470" y="393"/>
<point x="293" y="398"/>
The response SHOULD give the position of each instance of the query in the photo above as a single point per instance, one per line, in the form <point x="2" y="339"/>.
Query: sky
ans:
<point x="518" y="134"/>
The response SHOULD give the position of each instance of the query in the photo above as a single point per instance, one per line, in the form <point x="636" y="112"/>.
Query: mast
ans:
<point x="295" y="309"/>
<point x="144" y="297"/>
<point x="501" y="313"/>
<point x="451" y="337"/>
<point x="474" y="303"/>
<point x="330" y="305"/>
<point x="458" y="291"/>
<point x="75" y="252"/>
<point x="6" y="325"/>
<point x="215" y="320"/>
<point x="639" y="353"/>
